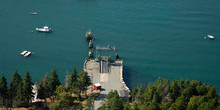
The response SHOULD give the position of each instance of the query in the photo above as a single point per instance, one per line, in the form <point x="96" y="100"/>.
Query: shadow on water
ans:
<point x="131" y="79"/>
<point x="127" y="74"/>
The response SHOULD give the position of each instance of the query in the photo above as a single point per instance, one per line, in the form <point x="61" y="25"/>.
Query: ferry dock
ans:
<point x="108" y="72"/>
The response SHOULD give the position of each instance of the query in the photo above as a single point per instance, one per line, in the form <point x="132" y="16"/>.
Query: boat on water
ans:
<point x="33" y="13"/>
<point x="88" y="35"/>
<point x="26" y="53"/>
<point x="44" y="29"/>
<point x="211" y="37"/>
<point x="23" y="53"/>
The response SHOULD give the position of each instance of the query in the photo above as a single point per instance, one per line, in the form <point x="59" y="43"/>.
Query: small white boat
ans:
<point x="211" y="37"/>
<point x="45" y="29"/>
<point x="27" y="54"/>
<point x="33" y="13"/>
<point x="23" y="53"/>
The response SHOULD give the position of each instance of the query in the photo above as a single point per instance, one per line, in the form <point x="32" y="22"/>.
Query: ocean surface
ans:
<point x="155" y="38"/>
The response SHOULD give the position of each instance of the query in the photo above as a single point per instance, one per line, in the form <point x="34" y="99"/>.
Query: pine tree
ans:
<point x="13" y="88"/>
<point x="83" y="81"/>
<point x="19" y="98"/>
<point x="67" y="81"/>
<point x="89" y="104"/>
<point x="41" y="91"/>
<point x="3" y="90"/>
<point x="53" y="81"/>
<point x="27" y="88"/>
<point x="73" y="79"/>
<point x="46" y="86"/>
<point x="43" y="88"/>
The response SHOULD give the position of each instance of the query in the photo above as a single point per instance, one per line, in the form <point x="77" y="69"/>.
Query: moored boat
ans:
<point x="211" y="37"/>
<point x="27" y="54"/>
<point x="23" y="53"/>
<point x="88" y="35"/>
<point x="44" y="29"/>
<point x="33" y="13"/>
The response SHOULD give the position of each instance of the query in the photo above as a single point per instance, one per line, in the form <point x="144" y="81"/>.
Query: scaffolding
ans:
<point x="108" y="51"/>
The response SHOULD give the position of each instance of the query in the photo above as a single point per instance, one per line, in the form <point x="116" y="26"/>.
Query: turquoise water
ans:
<point x="154" y="37"/>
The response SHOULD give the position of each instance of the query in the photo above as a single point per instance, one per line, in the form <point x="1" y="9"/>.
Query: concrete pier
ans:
<point x="109" y="75"/>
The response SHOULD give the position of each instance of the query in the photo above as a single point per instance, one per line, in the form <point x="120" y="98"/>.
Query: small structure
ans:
<point x="91" y="44"/>
<point x="91" y="54"/>
<point x="35" y="91"/>
<point x="89" y="35"/>
<point x="97" y="86"/>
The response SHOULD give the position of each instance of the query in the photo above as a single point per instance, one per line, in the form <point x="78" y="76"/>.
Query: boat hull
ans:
<point x="43" y="30"/>
<point x="211" y="37"/>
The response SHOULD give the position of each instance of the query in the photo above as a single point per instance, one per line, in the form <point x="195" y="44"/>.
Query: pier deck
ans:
<point x="113" y="80"/>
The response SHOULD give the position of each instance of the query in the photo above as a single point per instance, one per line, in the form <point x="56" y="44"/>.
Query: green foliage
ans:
<point x="211" y="93"/>
<point x="13" y="87"/>
<point x="180" y="104"/>
<point x="134" y="92"/>
<point x="27" y="89"/>
<point x="43" y="88"/>
<point x="73" y="79"/>
<point x="179" y="95"/>
<point x="89" y="103"/>
<point x="126" y="106"/>
<point x="83" y="81"/>
<point x="3" y="90"/>
<point x="19" y="99"/>
<point x="112" y="101"/>
<point x="77" y="106"/>
<point x="174" y="90"/>
<point x="64" y="99"/>
<point x="53" y="81"/>
<point x="60" y="89"/>
<point x="41" y="91"/>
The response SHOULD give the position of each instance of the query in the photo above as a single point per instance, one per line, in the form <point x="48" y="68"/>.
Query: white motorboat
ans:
<point x="45" y="29"/>
<point x="211" y="37"/>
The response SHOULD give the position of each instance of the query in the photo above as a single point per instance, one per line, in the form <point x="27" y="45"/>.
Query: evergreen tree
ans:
<point x="27" y="89"/>
<point x="127" y="106"/>
<point x="112" y="102"/>
<point x="3" y="90"/>
<point x="89" y="104"/>
<point x="41" y="91"/>
<point x="60" y="89"/>
<point x="175" y="90"/>
<point x="53" y="81"/>
<point x="180" y="104"/>
<point x="73" y="79"/>
<point x="13" y="88"/>
<point x="211" y="93"/>
<point x="46" y="86"/>
<point x="83" y="81"/>
<point x="19" y="98"/>
<point x="43" y="88"/>
<point x="67" y="81"/>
